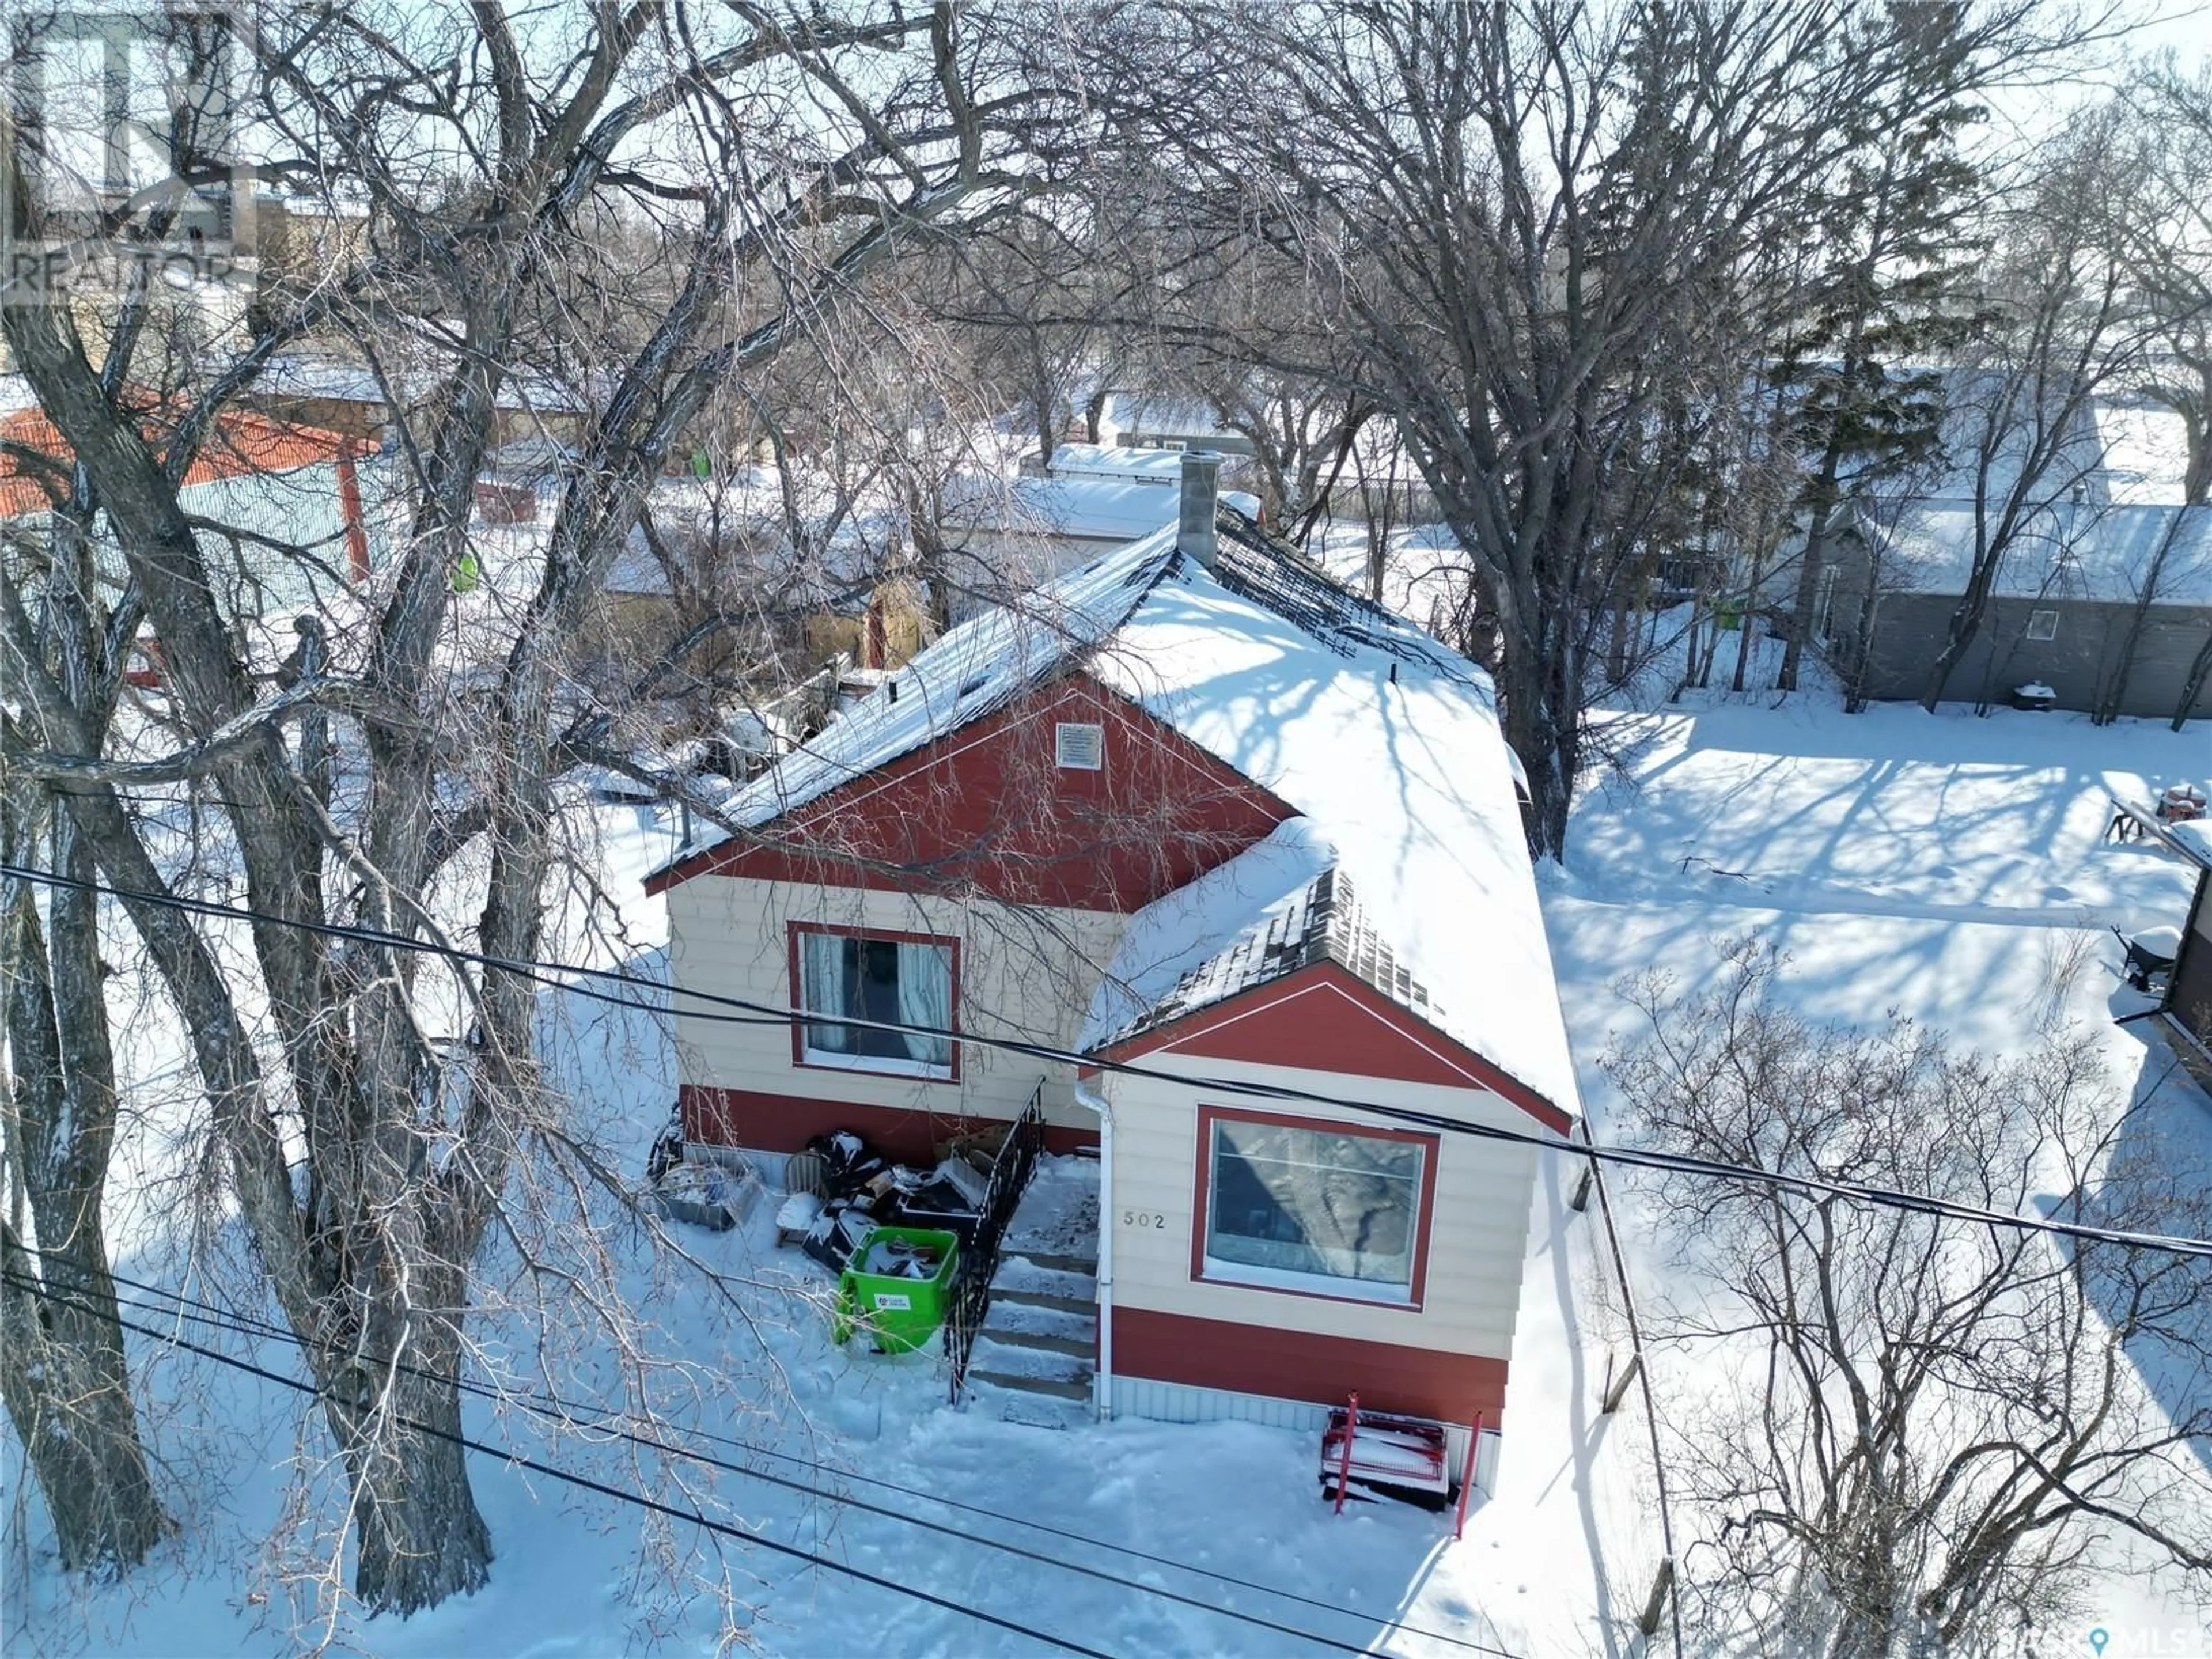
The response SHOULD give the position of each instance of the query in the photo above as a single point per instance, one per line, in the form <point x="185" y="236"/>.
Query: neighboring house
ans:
<point x="2076" y="607"/>
<point x="343" y="394"/>
<point x="2103" y="595"/>
<point x="724" y="548"/>
<point x="1146" y="420"/>
<point x="1199" y="809"/>
<point x="306" y="488"/>
<point x="1160" y="467"/>
<point x="1002" y="536"/>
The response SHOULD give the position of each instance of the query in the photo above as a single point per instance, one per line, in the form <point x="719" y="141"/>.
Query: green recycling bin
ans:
<point x="896" y="1287"/>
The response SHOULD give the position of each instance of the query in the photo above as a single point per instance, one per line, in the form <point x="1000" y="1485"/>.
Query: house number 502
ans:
<point x="1143" y="1219"/>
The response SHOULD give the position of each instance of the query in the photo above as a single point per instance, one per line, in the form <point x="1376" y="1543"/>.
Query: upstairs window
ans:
<point x="2043" y="624"/>
<point x="894" y="979"/>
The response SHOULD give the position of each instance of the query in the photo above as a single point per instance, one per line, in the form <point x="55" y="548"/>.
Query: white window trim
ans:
<point x="2043" y="639"/>
<point x="1250" y="1276"/>
<point x="806" y="1054"/>
<point x="884" y="1064"/>
<point x="1218" y="1270"/>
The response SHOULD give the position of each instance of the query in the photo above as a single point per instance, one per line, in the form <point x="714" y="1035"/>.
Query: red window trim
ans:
<point x="882" y="935"/>
<point x="1202" y="1196"/>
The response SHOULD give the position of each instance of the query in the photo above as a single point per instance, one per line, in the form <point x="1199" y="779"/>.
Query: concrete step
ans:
<point x="1035" y="1321"/>
<point x="1018" y="1405"/>
<point x="1022" y="1277"/>
<point x="1051" y="1261"/>
<point x="1075" y="1390"/>
<point x="1075" y="1346"/>
<point x="1027" y="1364"/>
<point x="1057" y="1217"/>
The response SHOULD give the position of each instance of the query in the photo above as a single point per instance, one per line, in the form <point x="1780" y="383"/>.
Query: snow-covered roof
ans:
<point x="1150" y="411"/>
<point x="745" y="511"/>
<point x="1386" y="742"/>
<point x="1177" y="942"/>
<point x="2146" y="451"/>
<point x="1154" y="466"/>
<point x="1174" y="960"/>
<point x="2067" y="550"/>
<point x="313" y="374"/>
<point x="1100" y="508"/>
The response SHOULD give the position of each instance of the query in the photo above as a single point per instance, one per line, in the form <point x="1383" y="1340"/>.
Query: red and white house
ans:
<point x="1196" y="810"/>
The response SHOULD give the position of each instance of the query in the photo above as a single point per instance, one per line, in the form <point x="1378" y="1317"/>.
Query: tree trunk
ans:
<point x="1965" y="625"/>
<point x="1738" y="681"/>
<point x="1809" y="567"/>
<point x="421" y="1536"/>
<point x="67" y="1388"/>
<point x="64" y="1376"/>
<point x="2114" y="691"/>
<point x="1542" y="728"/>
<point x="1855" y="676"/>
<point x="2199" y="670"/>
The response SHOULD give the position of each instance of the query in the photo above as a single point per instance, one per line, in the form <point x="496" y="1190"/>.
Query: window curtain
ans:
<point x="1308" y="1201"/>
<point x="924" y="987"/>
<point x="822" y="987"/>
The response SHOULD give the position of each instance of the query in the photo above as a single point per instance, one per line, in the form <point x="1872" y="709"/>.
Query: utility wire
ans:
<point x="550" y="1407"/>
<point x="623" y="1494"/>
<point x="560" y="975"/>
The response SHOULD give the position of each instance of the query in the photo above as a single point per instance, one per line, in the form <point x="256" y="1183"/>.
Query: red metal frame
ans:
<point x="884" y="935"/>
<point x="1344" y="1463"/>
<point x="1466" y="1479"/>
<point x="1202" y="1196"/>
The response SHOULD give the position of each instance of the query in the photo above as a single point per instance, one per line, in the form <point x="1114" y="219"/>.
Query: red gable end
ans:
<point x="989" y="806"/>
<point x="1322" y="1018"/>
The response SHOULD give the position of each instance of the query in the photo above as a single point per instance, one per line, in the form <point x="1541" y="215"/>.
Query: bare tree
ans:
<point x="1933" y="1423"/>
<point x="2019" y="416"/>
<point x="1534" y="225"/>
<point x="2163" y="162"/>
<point x="2164" y="224"/>
<point x="1885" y="295"/>
<point x="782" y="154"/>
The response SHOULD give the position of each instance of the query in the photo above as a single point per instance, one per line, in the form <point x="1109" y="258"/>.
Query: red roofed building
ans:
<point x="298" y="487"/>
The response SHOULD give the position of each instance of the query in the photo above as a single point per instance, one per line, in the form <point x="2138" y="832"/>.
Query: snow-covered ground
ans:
<point x="1939" y="866"/>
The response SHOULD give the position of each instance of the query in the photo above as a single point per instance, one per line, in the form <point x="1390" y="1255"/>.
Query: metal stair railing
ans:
<point x="979" y="1260"/>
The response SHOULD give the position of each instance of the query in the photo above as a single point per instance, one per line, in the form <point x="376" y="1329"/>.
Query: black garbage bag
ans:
<point x="848" y="1165"/>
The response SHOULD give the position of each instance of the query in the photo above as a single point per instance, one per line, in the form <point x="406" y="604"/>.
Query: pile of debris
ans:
<point x="716" y="1195"/>
<point x="841" y="1191"/>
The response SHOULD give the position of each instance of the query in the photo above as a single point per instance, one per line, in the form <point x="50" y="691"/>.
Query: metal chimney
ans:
<point x="1201" y="500"/>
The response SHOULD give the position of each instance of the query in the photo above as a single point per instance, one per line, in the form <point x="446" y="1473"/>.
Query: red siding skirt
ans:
<point x="785" y="1123"/>
<point x="1213" y="1353"/>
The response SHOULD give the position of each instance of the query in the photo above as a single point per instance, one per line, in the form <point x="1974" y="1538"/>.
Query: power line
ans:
<point x="552" y="1408"/>
<point x="559" y="975"/>
<point x="621" y="1493"/>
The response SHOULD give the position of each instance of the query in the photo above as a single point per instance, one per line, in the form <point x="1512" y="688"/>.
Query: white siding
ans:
<point x="1478" y="1225"/>
<point x="1023" y="973"/>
